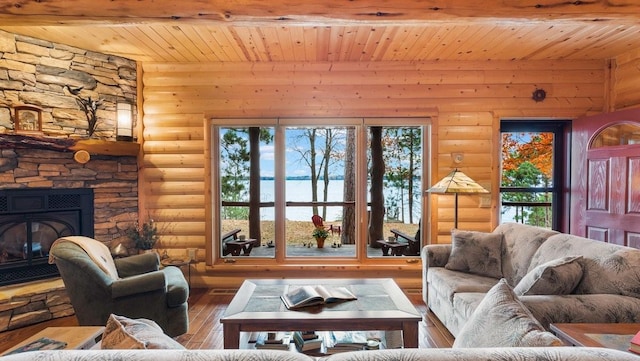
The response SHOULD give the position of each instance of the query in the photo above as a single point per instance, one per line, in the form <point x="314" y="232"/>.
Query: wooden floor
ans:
<point x="206" y="307"/>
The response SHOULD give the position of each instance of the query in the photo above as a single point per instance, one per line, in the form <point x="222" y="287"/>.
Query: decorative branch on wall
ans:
<point x="89" y="106"/>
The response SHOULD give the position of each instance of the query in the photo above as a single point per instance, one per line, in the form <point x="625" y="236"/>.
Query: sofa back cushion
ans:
<point x="476" y="252"/>
<point x="520" y="242"/>
<point x="557" y="277"/>
<point x="607" y="268"/>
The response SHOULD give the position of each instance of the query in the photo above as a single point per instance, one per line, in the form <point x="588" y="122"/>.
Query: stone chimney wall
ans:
<point x="44" y="74"/>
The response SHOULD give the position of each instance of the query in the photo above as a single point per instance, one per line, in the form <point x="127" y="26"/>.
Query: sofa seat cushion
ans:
<point x="447" y="282"/>
<point x="557" y="277"/>
<point x="465" y="303"/>
<point x="476" y="252"/>
<point x="598" y="308"/>
<point x="501" y="320"/>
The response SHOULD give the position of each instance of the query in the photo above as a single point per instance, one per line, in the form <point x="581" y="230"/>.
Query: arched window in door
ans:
<point x="620" y="134"/>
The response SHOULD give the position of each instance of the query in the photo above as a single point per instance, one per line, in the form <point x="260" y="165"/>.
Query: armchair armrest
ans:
<point x="436" y="255"/>
<point x="137" y="264"/>
<point x="135" y="285"/>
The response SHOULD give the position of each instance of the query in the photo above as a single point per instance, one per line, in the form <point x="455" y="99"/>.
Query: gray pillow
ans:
<point x="123" y="333"/>
<point x="501" y="320"/>
<point x="476" y="252"/>
<point x="557" y="277"/>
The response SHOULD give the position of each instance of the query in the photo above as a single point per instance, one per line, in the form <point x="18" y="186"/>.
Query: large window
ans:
<point x="288" y="184"/>
<point x="532" y="164"/>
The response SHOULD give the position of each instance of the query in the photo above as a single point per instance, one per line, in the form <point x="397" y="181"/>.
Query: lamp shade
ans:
<point x="457" y="182"/>
<point x="124" y="128"/>
<point x="454" y="183"/>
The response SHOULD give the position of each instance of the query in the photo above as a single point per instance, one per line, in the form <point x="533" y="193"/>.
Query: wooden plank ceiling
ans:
<point x="332" y="30"/>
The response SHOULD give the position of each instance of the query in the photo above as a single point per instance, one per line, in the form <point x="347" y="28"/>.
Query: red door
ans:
<point x="605" y="177"/>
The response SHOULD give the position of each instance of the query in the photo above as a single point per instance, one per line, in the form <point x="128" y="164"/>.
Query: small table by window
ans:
<point x="396" y="248"/>
<point x="237" y="245"/>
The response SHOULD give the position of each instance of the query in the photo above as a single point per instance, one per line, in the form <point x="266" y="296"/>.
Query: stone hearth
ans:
<point x="33" y="302"/>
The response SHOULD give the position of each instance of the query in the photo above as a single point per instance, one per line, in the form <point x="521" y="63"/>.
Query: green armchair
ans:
<point x="140" y="289"/>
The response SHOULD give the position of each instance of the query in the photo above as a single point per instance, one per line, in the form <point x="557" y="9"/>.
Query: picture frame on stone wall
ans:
<point x="28" y="119"/>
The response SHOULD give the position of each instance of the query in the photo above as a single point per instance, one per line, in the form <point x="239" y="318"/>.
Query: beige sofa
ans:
<point x="483" y="354"/>
<point x="607" y="276"/>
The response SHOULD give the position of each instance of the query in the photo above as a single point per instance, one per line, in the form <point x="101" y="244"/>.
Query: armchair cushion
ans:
<point x="125" y="333"/>
<point x="557" y="277"/>
<point x="134" y="285"/>
<point x="137" y="264"/>
<point x="501" y="320"/>
<point x="476" y="252"/>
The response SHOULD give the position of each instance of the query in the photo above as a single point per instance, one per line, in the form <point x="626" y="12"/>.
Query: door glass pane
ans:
<point x="527" y="177"/>
<point x="615" y="135"/>
<point x="315" y="192"/>
<point x="247" y="189"/>
<point x="394" y="189"/>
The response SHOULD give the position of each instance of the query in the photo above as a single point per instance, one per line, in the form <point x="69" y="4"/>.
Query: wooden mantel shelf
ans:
<point x="93" y="146"/>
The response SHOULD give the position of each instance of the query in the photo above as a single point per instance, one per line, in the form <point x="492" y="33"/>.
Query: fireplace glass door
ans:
<point x="25" y="240"/>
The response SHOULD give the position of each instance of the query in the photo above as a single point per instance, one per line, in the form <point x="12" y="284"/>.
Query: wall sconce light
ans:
<point x="124" y="126"/>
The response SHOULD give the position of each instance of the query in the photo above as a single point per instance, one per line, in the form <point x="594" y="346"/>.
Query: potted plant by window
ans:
<point x="145" y="236"/>
<point x="320" y="234"/>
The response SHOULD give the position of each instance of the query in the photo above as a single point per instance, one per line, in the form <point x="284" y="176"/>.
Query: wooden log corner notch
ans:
<point x="92" y="146"/>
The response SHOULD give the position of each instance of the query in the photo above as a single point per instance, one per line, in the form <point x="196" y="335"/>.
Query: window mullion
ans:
<point x="280" y="193"/>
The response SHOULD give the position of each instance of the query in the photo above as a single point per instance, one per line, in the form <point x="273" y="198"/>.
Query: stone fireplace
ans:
<point x="99" y="197"/>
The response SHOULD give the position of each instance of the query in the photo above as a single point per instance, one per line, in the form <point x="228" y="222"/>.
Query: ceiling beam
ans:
<point x="320" y="12"/>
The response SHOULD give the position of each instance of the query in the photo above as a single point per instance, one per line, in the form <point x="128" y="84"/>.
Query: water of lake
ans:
<point x="300" y="191"/>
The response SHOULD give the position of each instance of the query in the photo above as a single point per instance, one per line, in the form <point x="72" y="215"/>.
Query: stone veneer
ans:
<point x="33" y="302"/>
<point x="36" y="72"/>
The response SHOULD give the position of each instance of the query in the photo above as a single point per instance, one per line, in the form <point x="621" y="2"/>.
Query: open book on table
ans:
<point x="304" y="296"/>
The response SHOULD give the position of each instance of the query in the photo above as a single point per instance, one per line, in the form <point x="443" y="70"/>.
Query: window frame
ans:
<point x="560" y="164"/>
<point x="212" y="187"/>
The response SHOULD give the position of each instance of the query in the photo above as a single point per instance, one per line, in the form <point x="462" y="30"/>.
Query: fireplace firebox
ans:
<point x="31" y="220"/>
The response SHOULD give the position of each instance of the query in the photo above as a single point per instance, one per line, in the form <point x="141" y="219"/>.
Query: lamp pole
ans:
<point x="455" y="212"/>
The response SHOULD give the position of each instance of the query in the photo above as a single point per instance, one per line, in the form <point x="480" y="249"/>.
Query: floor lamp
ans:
<point x="454" y="183"/>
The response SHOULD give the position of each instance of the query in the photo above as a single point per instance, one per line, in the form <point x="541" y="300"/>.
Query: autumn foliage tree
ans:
<point x="527" y="162"/>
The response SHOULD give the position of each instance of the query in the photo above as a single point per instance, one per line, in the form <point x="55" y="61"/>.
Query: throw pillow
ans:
<point x="557" y="277"/>
<point x="476" y="252"/>
<point x="123" y="333"/>
<point x="501" y="320"/>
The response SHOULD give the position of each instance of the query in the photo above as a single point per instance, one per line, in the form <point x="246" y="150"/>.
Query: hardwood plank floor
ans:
<point x="206" y="307"/>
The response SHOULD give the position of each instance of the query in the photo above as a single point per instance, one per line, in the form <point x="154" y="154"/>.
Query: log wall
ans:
<point x="466" y="101"/>
<point x="626" y="88"/>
